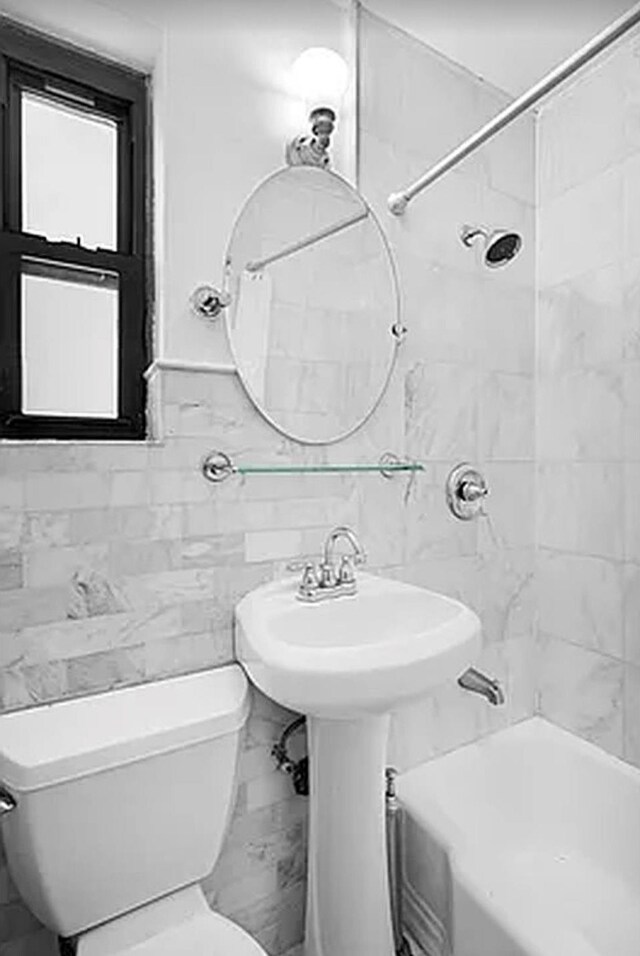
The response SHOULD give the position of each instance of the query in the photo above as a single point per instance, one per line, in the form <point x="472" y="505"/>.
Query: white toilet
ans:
<point x="121" y="804"/>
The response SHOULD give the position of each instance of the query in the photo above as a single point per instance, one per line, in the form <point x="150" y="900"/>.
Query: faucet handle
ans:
<point x="309" y="582"/>
<point x="301" y="564"/>
<point x="346" y="571"/>
<point x="326" y="575"/>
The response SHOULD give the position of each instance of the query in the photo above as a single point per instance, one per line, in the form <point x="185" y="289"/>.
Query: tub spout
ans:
<point x="479" y="683"/>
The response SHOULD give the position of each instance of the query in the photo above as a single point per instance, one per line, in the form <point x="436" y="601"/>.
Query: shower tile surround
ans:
<point x="120" y="564"/>
<point x="588" y="405"/>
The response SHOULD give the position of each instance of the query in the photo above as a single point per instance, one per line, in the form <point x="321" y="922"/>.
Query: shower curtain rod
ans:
<point x="398" y="202"/>
<point x="256" y="265"/>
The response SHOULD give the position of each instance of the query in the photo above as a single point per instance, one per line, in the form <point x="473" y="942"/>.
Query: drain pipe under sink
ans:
<point x="394" y="861"/>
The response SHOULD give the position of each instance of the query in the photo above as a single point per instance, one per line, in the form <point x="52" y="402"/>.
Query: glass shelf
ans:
<point x="217" y="466"/>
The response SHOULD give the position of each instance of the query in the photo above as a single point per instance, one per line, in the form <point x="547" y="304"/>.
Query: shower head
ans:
<point x="500" y="245"/>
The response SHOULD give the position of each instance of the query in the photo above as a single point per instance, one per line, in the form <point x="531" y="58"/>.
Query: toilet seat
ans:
<point x="207" y="935"/>
<point x="180" y="924"/>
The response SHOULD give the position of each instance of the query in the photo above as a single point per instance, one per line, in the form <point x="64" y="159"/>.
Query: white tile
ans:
<point x="506" y="599"/>
<point x="582" y="229"/>
<point x="54" y="491"/>
<point x="583" y="322"/>
<point x="631" y="511"/>
<point x="631" y="611"/>
<point x="506" y="417"/>
<point x="270" y="545"/>
<point x="582" y="691"/>
<point x="632" y="715"/>
<point x="441" y="409"/>
<point x="631" y="413"/>
<point x="581" y="415"/>
<point x="580" y="599"/>
<point x="47" y="567"/>
<point x="509" y="509"/>
<point x="591" y="123"/>
<point x="506" y="327"/>
<point x="579" y="508"/>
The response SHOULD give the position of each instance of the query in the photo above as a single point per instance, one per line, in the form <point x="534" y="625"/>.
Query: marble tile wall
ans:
<point x="466" y="368"/>
<point x="120" y="564"/>
<point x="588" y="407"/>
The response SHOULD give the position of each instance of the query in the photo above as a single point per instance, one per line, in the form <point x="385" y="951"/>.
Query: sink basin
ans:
<point x="346" y="663"/>
<point x="353" y="656"/>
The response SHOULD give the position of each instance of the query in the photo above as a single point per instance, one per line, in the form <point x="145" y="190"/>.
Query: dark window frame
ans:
<point x="32" y="62"/>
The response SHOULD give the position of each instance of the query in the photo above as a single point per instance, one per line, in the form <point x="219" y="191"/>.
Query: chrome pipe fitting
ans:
<point x="478" y="683"/>
<point x="7" y="801"/>
<point x="465" y="491"/>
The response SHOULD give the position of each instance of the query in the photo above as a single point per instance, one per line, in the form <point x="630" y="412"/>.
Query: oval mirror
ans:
<point x="314" y="317"/>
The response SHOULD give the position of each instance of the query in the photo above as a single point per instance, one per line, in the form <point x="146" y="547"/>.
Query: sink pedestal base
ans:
<point x="348" y="909"/>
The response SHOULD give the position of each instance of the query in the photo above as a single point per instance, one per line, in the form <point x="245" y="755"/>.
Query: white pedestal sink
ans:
<point x="347" y="663"/>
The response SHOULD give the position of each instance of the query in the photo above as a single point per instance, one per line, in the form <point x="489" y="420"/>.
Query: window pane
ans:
<point x="69" y="173"/>
<point x="69" y="341"/>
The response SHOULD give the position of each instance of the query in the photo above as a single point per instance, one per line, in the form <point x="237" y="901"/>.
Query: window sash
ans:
<point x="33" y="63"/>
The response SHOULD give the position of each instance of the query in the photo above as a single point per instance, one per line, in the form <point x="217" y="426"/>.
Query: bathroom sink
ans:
<point x="357" y="655"/>
<point x="346" y="662"/>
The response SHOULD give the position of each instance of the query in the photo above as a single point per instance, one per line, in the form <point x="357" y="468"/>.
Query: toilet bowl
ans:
<point x="121" y="804"/>
<point x="179" y="923"/>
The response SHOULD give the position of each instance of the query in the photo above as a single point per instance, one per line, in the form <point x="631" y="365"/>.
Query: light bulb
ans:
<point x="320" y="76"/>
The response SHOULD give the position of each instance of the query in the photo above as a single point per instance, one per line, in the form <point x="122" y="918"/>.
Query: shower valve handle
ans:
<point x="471" y="491"/>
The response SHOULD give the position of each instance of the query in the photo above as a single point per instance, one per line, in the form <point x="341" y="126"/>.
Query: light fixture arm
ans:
<point x="313" y="150"/>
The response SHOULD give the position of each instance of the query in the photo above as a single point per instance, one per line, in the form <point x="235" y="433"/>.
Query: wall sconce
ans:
<point x="320" y="77"/>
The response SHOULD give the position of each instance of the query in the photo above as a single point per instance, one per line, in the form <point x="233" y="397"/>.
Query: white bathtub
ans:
<point x="524" y="844"/>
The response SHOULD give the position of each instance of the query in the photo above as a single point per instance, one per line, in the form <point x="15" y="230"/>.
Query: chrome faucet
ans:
<point x="479" y="683"/>
<point x="330" y="579"/>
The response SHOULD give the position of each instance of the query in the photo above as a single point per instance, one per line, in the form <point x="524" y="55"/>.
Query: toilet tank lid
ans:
<point x="45" y="745"/>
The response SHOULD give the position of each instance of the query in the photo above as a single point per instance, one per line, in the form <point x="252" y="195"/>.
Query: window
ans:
<point x="73" y="245"/>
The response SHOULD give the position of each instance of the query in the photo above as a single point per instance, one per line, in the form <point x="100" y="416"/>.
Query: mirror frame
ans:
<point x="398" y="330"/>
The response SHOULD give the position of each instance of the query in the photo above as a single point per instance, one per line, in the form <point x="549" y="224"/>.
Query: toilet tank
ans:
<point x="121" y="797"/>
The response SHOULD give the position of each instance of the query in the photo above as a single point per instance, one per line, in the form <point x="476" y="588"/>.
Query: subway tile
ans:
<point x="140" y="557"/>
<point x="52" y="491"/>
<point x="32" y="685"/>
<point x="47" y="529"/>
<point x="11" y="492"/>
<point x="270" y="545"/>
<point x="213" y="549"/>
<point x="128" y="488"/>
<point x="24" y="606"/>
<point x="47" y="567"/>
<point x="11" y="572"/>
<point x="72" y="639"/>
<point x="184" y="653"/>
<point x="104" y="671"/>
